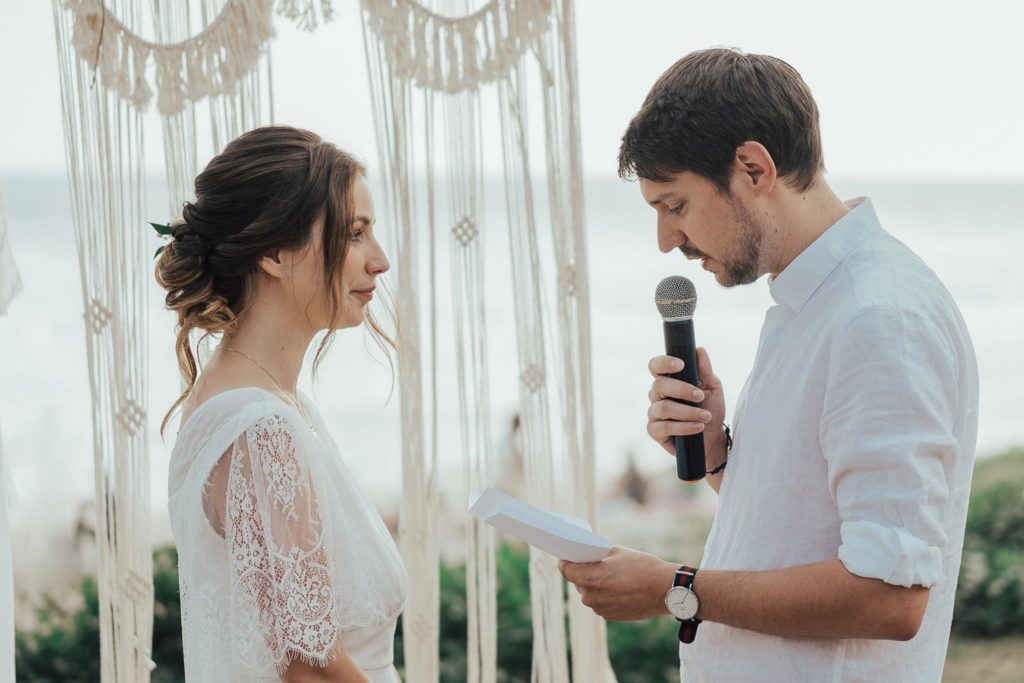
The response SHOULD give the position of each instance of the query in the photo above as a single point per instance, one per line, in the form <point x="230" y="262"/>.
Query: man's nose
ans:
<point x="669" y="235"/>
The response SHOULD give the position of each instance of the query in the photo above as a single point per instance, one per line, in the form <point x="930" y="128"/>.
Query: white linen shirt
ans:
<point x="854" y="438"/>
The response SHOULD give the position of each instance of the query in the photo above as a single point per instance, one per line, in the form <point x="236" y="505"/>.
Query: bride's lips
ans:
<point x="364" y="293"/>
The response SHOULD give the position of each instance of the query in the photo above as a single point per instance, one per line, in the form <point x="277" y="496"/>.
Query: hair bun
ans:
<point x="188" y="242"/>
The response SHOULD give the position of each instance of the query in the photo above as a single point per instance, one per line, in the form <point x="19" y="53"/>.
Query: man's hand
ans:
<point x="628" y="585"/>
<point x="667" y="419"/>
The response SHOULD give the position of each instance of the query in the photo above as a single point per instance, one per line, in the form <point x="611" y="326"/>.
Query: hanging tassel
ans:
<point x="466" y="52"/>
<point x="141" y="92"/>
<point x="210" y="63"/>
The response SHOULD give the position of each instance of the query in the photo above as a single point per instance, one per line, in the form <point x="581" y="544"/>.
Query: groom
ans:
<point x="843" y="488"/>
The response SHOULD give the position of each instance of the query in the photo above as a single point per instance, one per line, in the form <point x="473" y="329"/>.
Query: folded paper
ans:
<point x="565" y="537"/>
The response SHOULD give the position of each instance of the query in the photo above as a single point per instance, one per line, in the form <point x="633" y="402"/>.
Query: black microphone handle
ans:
<point x="689" y="449"/>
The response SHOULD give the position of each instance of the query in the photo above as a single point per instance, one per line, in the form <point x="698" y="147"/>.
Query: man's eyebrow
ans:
<point x="662" y="197"/>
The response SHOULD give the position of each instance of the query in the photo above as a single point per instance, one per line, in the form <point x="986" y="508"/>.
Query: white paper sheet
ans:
<point x="565" y="537"/>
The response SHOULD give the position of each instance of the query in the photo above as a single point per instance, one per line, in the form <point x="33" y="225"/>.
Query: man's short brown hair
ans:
<point x="712" y="101"/>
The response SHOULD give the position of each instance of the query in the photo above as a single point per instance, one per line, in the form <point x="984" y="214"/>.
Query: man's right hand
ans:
<point x="667" y="419"/>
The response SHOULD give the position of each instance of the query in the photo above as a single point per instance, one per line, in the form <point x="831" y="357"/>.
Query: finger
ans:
<point x="666" y="429"/>
<point x="704" y="369"/>
<point x="681" y="412"/>
<point x="666" y="387"/>
<point x="664" y="365"/>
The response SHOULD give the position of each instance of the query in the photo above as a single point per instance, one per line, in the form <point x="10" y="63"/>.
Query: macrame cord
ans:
<point x="417" y="53"/>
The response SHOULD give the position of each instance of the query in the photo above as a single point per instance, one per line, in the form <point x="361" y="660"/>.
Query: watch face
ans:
<point x="682" y="603"/>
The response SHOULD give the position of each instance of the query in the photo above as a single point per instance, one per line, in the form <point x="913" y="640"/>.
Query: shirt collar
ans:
<point x="802" y="277"/>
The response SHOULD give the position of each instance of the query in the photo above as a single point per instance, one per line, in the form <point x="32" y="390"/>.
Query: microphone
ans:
<point x="676" y="298"/>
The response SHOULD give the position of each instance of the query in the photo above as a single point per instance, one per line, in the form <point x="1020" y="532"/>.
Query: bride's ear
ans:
<point x="273" y="263"/>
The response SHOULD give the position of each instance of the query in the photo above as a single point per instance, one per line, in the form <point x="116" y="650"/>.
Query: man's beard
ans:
<point x="744" y="267"/>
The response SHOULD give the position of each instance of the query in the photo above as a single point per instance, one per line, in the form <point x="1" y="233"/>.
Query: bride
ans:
<point x="286" y="570"/>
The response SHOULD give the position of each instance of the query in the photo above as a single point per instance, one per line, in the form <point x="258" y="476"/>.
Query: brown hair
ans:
<point x="265" y="191"/>
<point x="712" y="101"/>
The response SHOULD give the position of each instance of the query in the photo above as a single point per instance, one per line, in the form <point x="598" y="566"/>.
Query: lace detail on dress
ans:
<point x="281" y="555"/>
<point x="273" y="442"/>
<point x="282" y="596"/>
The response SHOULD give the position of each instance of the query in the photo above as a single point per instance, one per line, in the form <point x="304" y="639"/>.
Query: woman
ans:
<point x="287" y="572"/>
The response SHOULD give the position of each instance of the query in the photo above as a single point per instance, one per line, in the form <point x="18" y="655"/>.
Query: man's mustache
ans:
<point x="690" y="252"/>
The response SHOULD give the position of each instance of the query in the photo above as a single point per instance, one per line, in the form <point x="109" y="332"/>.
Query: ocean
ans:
<point x="968" y="232"/>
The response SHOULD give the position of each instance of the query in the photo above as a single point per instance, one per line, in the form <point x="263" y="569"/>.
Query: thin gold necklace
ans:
<point x="295" y="401"/>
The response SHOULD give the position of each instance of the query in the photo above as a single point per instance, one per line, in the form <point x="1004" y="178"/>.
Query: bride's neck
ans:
<point x="279" y="346"/>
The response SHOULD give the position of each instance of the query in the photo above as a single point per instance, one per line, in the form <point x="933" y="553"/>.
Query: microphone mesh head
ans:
<point x="676" y="297"/>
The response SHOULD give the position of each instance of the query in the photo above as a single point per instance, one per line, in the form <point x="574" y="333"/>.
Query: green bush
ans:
<point x="64" y="645"/>
<point x="641" y="652"/>
<point x="990" y="592"/>
<point x="515" y="633"/>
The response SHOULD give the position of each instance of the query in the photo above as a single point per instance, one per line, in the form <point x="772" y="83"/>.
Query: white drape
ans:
<point x="10" y="285"/>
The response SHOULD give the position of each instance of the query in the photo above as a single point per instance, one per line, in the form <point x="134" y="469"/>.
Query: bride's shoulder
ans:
<point x="237" y="405"/>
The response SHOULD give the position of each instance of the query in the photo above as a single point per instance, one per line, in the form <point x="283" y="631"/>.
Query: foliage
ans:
<point x="63" y="642"/>
<point x="990" y="593"/>
<point x="64" y="645"/>
<point x="641" y="652"/>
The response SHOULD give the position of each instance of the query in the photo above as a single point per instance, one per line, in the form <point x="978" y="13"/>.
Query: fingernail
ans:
<point x="698" y="395"/>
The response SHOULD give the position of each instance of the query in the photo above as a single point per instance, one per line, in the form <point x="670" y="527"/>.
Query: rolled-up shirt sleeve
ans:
<point x="887" y="436"/>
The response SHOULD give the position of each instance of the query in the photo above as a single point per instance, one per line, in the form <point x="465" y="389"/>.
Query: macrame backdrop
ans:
<point x="109" y="73"/>
<point x="423" y="57"/>
<point x="424" y="62"/>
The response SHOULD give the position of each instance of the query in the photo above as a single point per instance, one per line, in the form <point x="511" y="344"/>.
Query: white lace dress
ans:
<point x="300" y="558"/>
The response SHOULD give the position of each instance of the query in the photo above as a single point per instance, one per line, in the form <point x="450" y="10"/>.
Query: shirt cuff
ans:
<point x="892" y="554"/>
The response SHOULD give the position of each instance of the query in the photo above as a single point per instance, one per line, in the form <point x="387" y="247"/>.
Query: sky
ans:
<point x="905" y="89"/>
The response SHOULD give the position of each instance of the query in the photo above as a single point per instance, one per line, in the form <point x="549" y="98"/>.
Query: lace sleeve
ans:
<point x="282" y="596"/>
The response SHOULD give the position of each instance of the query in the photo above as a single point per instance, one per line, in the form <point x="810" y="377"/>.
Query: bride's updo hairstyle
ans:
<point x="264" y="192"/>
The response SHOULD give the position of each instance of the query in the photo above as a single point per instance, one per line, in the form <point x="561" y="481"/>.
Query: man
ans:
<point x="842" y="502"/>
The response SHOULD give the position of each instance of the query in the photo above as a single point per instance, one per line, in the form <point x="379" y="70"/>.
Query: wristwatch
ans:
<point x="683" y="604"/>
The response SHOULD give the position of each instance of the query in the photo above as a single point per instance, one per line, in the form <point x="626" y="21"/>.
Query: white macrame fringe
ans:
<point x="450" y="54"/>
<point x="419" y="508"/>
<point x="230" y="114"/>
<point x="104" y="146"/>
<point x="557" y="56"/>
<point x="463" y="161"/>
<point x="10" y="285"/>
<point x="10" y="282"/>
<point x="409" y="44"/>
<point x="304" y="14"/>
<point x="543" y="480"/>
<point x="103" y="143"/>
<point x="210" y="63"/>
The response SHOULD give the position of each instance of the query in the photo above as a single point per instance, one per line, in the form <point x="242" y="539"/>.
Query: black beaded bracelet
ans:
<point x="728" y="448"/>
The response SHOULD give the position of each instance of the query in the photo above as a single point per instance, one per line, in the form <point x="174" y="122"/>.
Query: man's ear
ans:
<point x="273" y="263"/>
<point x="756" y="168"/>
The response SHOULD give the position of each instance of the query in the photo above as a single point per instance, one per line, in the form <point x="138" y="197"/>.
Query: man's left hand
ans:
<point x="627" y="585"/>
